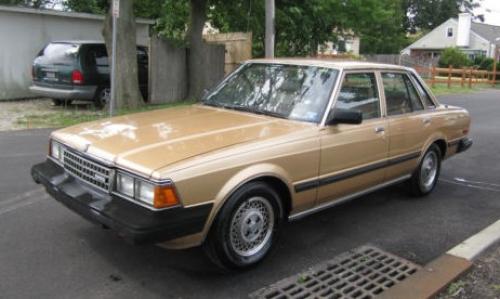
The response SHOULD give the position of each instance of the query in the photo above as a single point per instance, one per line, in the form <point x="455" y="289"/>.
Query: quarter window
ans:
<point x="400" y="94"/>
<point x="424" y="95"/>
<point x="359" y="92"/>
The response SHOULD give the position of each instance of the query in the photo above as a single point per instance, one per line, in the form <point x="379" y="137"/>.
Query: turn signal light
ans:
<point x="165" y="196"/>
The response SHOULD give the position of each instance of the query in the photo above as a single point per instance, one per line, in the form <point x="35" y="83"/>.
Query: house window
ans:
<point x="449" y="32"/>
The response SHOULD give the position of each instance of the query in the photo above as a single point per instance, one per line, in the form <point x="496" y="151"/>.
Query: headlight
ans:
<point x="56" y="150"/>
<point x="154" y="195"/>
<point x="125" y="184"/>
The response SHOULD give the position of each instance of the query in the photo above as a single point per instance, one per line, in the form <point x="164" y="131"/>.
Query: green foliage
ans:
<point x="483" y="63"/>
<point x="426" y="15"/>
<point x="454" y="57"/>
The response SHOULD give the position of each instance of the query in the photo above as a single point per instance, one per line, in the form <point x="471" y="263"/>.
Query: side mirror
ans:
<point x="344" y="116"/>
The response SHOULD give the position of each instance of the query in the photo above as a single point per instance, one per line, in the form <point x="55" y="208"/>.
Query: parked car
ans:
<point x="277" y="140"/>
<point x="79" y="70"/>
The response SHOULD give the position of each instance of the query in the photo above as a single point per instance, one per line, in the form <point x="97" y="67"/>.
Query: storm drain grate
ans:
<point x="362" y="273"/>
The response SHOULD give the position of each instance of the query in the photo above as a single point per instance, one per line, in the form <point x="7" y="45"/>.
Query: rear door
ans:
<point x="54" y="65"/>
<point x="409" y="124"/>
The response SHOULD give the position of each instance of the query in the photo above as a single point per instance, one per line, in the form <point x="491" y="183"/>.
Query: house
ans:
<point x="25" y="31"/>
<point x="474" y="39"/>
<point x="347" y="43"/>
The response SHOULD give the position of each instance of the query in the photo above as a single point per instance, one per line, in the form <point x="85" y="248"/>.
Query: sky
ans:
<point x="491" y="11"/>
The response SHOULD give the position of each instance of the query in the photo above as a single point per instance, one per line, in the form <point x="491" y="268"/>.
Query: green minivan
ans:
<point x="79" y="70"/>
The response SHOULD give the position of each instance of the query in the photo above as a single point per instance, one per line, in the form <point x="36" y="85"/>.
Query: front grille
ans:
<point x="89" y="171"/>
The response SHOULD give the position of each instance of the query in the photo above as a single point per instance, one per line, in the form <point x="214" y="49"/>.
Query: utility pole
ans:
<point x="269" y="28"/>
<point x="112" y="97"/>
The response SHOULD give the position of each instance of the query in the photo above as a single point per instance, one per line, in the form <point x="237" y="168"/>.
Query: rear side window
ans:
<point x="359" y="92"/>
<point x="58" y="53"/>
<point x="97" y="56"/>
<point x="400" y="94"/>
<point x="426" y="98"/>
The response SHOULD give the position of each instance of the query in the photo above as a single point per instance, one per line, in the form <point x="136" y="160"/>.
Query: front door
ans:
<point x="353" y="156"/>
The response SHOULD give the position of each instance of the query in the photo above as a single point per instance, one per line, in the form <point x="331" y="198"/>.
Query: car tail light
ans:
<point x="77" y="77"/>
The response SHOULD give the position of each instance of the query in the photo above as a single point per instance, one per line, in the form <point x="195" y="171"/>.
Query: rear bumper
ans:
<point x="135" y="224"/>
<point x="76" y="93"/>
<point x="461" y="145"/>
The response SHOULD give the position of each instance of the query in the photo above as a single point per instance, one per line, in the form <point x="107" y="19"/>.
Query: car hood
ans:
<point x="147" y="141"/>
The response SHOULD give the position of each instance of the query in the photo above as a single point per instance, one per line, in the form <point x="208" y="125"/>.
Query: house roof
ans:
<point x="489" y="32"/>
<point x="64" y="14"/>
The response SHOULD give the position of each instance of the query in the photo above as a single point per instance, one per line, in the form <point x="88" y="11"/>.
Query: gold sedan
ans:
<point x="277" y="140"/>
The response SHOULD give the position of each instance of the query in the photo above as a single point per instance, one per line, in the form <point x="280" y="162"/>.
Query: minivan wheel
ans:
<point x="57" y="102"/>
<point x="246" y="228"/>
<point x="424" y="179"/>
<point x="102" y="97"/>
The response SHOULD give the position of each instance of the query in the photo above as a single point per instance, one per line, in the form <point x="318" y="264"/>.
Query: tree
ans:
<point x="127" y="93"/>
<point x="426" y="15"/>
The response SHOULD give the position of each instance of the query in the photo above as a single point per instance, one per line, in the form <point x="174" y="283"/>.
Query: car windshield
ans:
<point x="286" y="91"/>
<point x="58" y="53"/>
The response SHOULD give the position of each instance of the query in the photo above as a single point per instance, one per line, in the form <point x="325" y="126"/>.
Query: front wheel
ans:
<point x="246" y="227"/>
<point x="424" y="179"/>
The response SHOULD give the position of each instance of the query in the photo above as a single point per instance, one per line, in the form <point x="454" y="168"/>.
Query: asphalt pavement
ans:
<point x="47" y="251"/>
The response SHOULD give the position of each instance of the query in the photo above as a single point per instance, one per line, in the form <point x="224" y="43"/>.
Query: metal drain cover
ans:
<point x="362" y="273"/>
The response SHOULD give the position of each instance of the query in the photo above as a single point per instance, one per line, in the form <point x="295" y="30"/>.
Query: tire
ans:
<point x="101" y="97"/>
<point x="425" y="177"/>
<point x="246" y="227"/>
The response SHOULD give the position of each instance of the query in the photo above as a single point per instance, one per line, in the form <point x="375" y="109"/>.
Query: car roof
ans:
<point x="338" y="64"/>
<point x="78" y="42"/>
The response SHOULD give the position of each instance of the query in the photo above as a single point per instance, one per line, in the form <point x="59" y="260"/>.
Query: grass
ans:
<point x="57" y="117"/>
<point x="442" y="88"/>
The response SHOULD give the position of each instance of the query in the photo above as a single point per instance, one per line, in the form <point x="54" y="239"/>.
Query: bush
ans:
<point x="454" y="57"/>
<point x="483" y="63"/>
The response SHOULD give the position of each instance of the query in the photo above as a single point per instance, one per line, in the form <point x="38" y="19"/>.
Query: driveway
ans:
<point x="49" y="252"/>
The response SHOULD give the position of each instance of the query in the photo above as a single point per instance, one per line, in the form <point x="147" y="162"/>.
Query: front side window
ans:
<point x="400" y="94"/>
<point x="359" y="92"/>
<point x="287" y="91"/>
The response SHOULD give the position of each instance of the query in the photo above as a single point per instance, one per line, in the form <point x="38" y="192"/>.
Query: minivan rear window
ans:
<point x="58" y="53"/>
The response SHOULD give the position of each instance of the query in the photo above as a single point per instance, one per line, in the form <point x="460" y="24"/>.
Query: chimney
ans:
<point x="463" y="32"/>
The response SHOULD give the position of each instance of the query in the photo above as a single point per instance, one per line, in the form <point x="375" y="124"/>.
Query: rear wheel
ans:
<point x="102" y="96"/>
<point x="424" y="179"/>
<point x="246" y="227"/>
<point x="59" y="102"/>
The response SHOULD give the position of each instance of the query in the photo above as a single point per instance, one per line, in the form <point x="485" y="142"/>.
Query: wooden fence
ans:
<point x="463" y="76"/>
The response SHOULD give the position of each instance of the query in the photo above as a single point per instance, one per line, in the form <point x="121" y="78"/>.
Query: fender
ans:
<point x="244" y="176"/>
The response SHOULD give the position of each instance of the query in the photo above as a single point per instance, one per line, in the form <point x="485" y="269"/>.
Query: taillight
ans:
<point x="77" y="77"/>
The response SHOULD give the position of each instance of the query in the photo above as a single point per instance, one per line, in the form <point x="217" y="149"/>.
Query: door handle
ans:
<point x="379" y="129"/>
<point x="426" y="120"/>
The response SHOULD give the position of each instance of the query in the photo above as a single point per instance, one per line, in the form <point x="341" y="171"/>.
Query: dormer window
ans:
<point x="449" y="32"/>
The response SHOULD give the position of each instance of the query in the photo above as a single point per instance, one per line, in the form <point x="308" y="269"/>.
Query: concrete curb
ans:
<point x="435" y="276"/>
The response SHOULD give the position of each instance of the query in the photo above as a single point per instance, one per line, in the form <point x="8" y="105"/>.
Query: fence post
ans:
<point x="470" y="78"/>
<point x="494" y="81"/>
<point x="433" y="76"/>
<point x="462" y="82"/>
<point x="449" y="76"/>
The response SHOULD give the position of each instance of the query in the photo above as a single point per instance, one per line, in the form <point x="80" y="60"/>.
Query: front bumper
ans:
<point x="76" y="93"/>
<point x="136" y="224"/>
